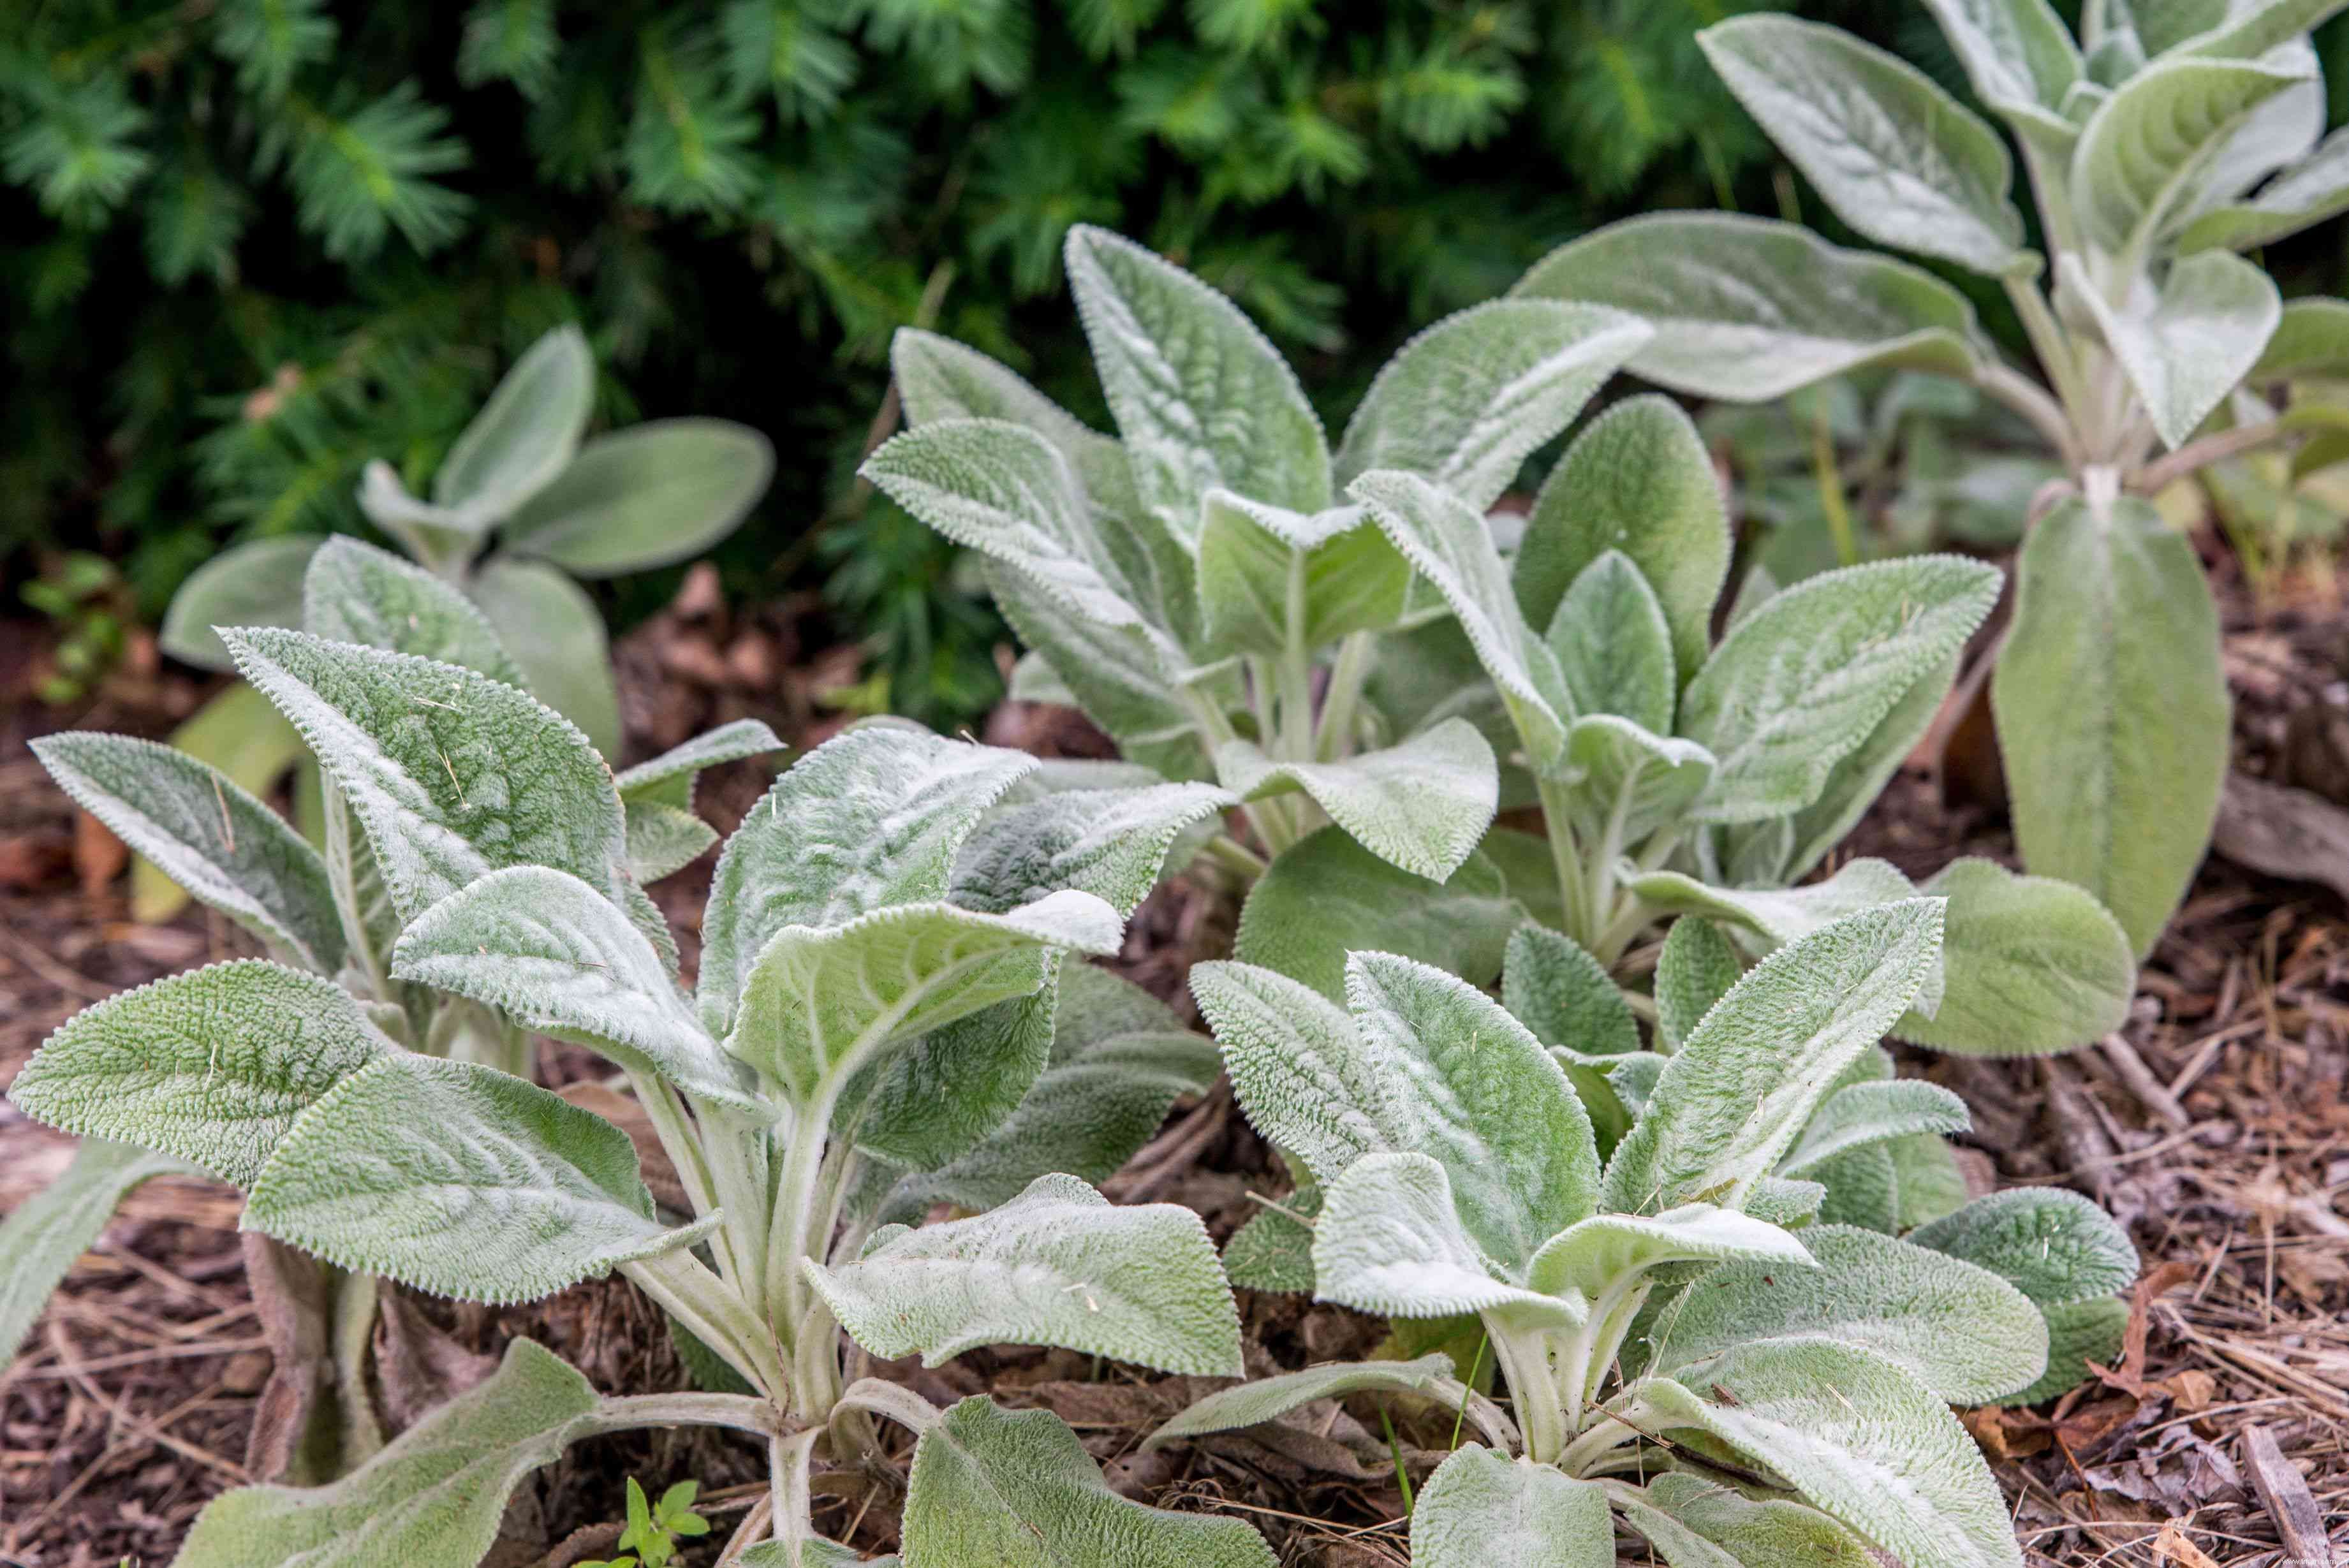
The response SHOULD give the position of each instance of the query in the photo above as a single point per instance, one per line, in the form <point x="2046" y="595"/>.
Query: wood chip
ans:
<point x="2285" y="1492"/>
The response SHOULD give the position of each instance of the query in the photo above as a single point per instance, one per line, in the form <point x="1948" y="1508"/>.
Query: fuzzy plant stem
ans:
<point x="1342" y="698"/>
<point x="355" y="1308"/>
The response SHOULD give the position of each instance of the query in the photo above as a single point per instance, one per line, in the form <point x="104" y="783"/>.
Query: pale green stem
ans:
<point x="2157" y="476"/>
<point x="1523" y="1362"/>
<point x="741" y="1190"/>
<point x="1602" y="881"/>
<point x="895" y="1401"/>
<point x="1296" y="671"/>
<point x="1235" y="857"/>
<point x="1631" y="917"/>
<point x="632" y="1411"/>
<point x="714" y="1314"/>
<point x="1559" y="819"/>
<point x="1828" y="475"/>
<point x="816" y="1361"/>
<point x="1334" y="735"/>
<point x="1591" y="1349"/>
<point x="1592" y="1449"/>
<point x="2057" y="357"/>
<point x="353" y="1346"/>
<point x="1261" y="816"/>
<point x="343" y="879"/>
<point x="792" y="1237"/>
<point x="794" y="1502"/>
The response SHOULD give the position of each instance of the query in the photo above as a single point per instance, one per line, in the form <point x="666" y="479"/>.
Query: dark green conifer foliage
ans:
<point x="245" y="246"/>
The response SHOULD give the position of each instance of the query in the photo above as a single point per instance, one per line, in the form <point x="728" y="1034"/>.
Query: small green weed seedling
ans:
<point x="1691" y="1347"/>
<point x="883" y="1022"/>
<point x="2162" y="142"/>
<point x="655" y="1528"/>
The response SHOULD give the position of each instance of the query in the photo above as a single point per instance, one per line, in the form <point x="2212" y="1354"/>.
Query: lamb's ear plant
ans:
<point x="1191" y="582"/>
<point x="1686" y="1352"/>
<point x="556" y="507"/>
<point x="880" y="997"/>
<point x="1683" y="776"/>
<point x="226" y="1057"/>
<point x="2158" y="145"/>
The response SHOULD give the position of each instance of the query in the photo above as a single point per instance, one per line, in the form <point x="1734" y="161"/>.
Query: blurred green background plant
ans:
<point x="246" y="245"/>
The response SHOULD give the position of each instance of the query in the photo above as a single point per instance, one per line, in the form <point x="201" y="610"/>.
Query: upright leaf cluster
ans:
<point x="2159" y="144"/>
<point x="891" y="1010"/>
<point x="1709" y="1325"/>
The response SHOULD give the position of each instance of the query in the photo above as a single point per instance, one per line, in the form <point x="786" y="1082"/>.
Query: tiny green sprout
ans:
<point x="653" y="1529"/>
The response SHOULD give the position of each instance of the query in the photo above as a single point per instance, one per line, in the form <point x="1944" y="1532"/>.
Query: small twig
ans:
<point x="2142" y="1083"/>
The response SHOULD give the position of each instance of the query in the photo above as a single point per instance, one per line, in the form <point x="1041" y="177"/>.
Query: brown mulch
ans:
<point x="2217" y="1126"/>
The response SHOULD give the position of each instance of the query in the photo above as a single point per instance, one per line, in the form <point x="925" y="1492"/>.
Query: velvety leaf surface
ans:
<point x="1269" y="577"/>
<point x="42" y="1236"/>
<point x="1698" y="1522"/>
<point x="872" y="818"/>
<point x="819" y="1003"/>
<point x="554" y="631"/>
<point x="1739" y="1090"/>
<point x="1483" y="1510"/>
<point x="653" y="493"/>
<point x="454" y="774"/>
<point x="354" y="592"/>
<point x="1110" y="1083"/>
<point x="1268" y="1399"/>
<point x="1327" y="895"/>
<point x="1695" y="969"/>
<point x="434" y="1495"/>
<point x="210" y="1067"/>
<point x="1426" y="1065"/>
<point x="1111" y="843"/>
<point x="1201" y="398"/>
<point x="1564" y="996"/>
<point x="1000" y="487"/>
<point x="2140" y="153"/>
<point x="1614" y="650"/>
<point x="1859" y="1438"/>
<point x="1606" y="1248"/>
<point x="1864" y="1113"/>
<point x="1896" y="157"/>
<point x="459" y="1181"/>
<point x="1749" y="309"/>
<point x="1803" y="680"/>
<point x="524" y="433"/>
<point x="1056" y="1266"/>
<point x="2054" y="1246"/>
<point x="1638" y="480"/>
<point x="2112" y="708"/>
<point x="669" y="777"/>
<point x="231" y="851"/>
<point x="1447" y="542"/>
<point x="1016" y="1488"/>
<point x="1422" y="805"/>
<point x="1468" y="399"/>
<point x="1388" y="1241"/>
<point x="551" y="954"/>
<point x="1966" y="1333"/>
<point x="256" y="584"/>
<point x="2189" y="345"/>
<point x="2030" y="965"/>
